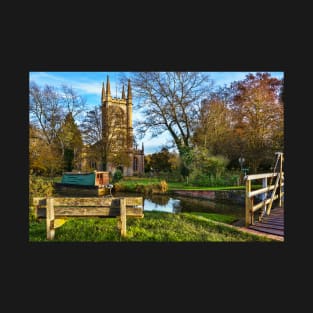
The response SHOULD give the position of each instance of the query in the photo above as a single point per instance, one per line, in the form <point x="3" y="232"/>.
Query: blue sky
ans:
<point x="89" y="84"/>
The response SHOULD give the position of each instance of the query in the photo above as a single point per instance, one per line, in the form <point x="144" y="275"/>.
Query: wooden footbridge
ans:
<point x="260" y="201"/>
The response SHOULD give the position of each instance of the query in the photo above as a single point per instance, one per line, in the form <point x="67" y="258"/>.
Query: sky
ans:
<point x="89" y="85"/>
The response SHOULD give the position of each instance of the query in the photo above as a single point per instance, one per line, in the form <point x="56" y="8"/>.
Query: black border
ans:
<point x="195" y="261"/>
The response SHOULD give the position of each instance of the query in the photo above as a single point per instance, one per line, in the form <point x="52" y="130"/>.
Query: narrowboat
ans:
<point x="83" y="184"/>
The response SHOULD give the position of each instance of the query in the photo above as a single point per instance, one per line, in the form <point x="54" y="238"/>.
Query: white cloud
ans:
<point x="80" y="84"/>
<point x="43" y="78"/>
<point x="155" y="144"/>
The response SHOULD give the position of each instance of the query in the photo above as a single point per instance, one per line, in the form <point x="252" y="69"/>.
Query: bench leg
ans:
<point x="123" y="216"/>
<point x="50" y="219"/>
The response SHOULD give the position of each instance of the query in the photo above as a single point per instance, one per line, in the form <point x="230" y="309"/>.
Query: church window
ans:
<point x="135" y="167"/>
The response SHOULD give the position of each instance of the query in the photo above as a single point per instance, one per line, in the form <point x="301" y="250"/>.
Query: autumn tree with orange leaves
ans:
<point x="258" y="114"/>
<point x="245" y="119"/>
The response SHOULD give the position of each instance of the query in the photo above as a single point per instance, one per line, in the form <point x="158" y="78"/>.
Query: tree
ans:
<point x="160" y="161"/>
<point x="71" y="101"/>
<point x="46" y="112"/>
<point x="258" y="112"/>
<point x="186" y="157"/>
<point x="92" y="135"/>
<point x="170" y="102"/>
<point x="147" y="163"/>
<point x="71" y="138"/>
<point x="44" y="159"/>
<point x="207" y="164"/>
<point x="48" y="108"/>
<point x="214" y="131"/>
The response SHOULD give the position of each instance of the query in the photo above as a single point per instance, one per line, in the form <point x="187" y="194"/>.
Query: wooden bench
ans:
<point x="53" y="209"/>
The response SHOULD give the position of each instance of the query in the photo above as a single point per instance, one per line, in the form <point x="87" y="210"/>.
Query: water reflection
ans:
<point x="161" y="200"/>
<point x="170" y="205"/>
<point x="177" y="204"/>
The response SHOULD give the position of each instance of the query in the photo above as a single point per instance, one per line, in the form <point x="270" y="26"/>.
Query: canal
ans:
<point x="180" y="204"/>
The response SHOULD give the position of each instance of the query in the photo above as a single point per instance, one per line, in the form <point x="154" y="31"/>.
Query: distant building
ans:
<point x="117" y="135"/>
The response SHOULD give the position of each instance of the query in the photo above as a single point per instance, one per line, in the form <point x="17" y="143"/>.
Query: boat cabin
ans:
<point x="95" y="178"/>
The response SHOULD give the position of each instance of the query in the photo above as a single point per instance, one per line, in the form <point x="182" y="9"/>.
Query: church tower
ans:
<point x="117" y="133"/>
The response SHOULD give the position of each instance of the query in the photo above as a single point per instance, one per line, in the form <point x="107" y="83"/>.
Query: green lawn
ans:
<point x="131" y="182"/>
<point x="155" y="226"/>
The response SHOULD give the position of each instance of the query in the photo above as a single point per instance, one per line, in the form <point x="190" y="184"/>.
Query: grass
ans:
<point x="131" y="182"/>
<point x="183" y="186"/>
<point x="154" y="227"/>
<point x="228" y="219"/>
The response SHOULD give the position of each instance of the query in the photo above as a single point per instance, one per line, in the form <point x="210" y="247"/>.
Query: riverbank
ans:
<point x="130" y="183"/>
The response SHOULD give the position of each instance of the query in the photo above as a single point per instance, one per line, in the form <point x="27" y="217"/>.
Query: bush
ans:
<point x="159" y="188"/>
<point x="118" y="187"/>
<point x="200" y="179"/>
<point x="38" y="187"/>
<point x="117" y="176"/>
<point x="163" y="186"/>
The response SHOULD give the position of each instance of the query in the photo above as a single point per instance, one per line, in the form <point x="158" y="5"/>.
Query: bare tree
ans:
<point x="71" y="101"/>
<point x="48" y="107"/>
<point x="170" y="101"/>
<point x="45" y="110"/>
<point x="92" y="134"/>
<point x="92" y="126"/>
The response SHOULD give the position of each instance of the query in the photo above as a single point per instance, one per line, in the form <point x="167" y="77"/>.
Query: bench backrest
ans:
<point x="89" y="206"/>
<point x="54" y="208"/>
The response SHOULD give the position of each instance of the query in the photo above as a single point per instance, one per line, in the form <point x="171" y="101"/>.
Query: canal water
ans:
<point x="178" y="204"/>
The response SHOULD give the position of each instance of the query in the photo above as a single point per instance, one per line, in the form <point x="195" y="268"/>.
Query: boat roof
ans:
<point x="82" y="173"/>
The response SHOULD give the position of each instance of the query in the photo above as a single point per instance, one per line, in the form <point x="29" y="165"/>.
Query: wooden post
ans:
<point x="123" y="216"/>
<point x="280" y="179"/>
<point x="263" y="197"/>
<point x="251" y="211"/>
<point x="50" y="219"/>
<point x="248" y="203"/>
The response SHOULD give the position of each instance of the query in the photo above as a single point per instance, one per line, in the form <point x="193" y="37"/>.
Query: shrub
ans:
<point x="38" y="187"/>
<point x="119" y="187"/>
<point x="117" y="176"/>
<point x="200" y="179"/>
<point x="158" y="188"/>
<point x="163" y="186"/>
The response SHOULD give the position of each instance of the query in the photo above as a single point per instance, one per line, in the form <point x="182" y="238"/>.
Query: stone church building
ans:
<point x="117" y="135"/>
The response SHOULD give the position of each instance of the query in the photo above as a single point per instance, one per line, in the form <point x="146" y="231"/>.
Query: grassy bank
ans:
<point x="131" y="183"/>
<point x="155" y="227"/>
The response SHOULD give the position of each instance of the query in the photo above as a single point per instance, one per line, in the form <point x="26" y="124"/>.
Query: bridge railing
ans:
<point x="268" y="193"/>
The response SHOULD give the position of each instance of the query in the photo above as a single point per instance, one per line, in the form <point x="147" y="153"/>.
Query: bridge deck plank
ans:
<point x="272" y="224"/>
